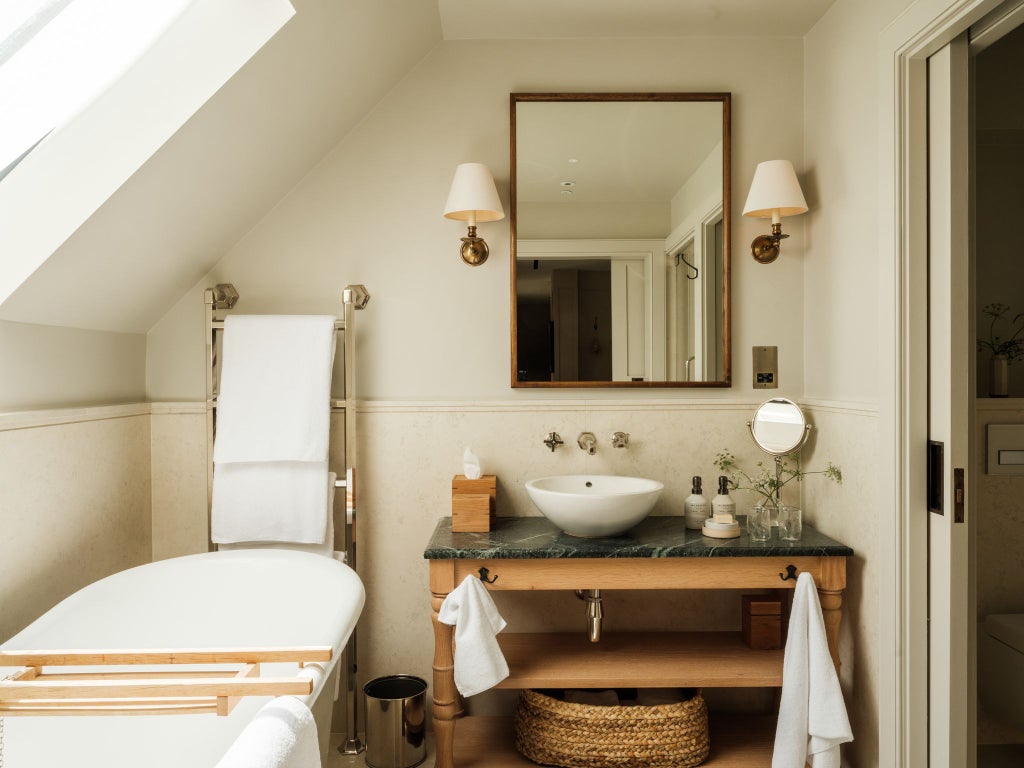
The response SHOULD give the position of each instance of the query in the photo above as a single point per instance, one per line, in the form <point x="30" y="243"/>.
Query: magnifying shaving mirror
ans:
<point x="779" y="428"/>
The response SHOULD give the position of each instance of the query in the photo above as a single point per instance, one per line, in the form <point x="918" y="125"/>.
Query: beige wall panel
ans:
<point x="179" y="482"/>
<point x="852" y="513"/>
<point x="74" y="507"/>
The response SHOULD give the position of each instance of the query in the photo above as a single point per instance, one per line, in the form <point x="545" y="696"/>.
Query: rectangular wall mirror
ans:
<point x="620" y="239"/>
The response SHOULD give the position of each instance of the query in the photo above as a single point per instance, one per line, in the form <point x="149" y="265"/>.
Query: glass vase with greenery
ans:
<point x="768" y="482"/>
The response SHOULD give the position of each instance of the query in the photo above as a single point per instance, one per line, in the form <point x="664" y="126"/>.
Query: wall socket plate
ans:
<point x="766" y="367"/>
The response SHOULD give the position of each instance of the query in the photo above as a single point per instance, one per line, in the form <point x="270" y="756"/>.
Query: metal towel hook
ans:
<point x="484" y="574"/>
<point x="681" y="257"/>
<point x="790" y="573"/>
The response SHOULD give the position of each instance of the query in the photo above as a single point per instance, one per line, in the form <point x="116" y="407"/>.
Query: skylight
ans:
<point x="56" y="56"/>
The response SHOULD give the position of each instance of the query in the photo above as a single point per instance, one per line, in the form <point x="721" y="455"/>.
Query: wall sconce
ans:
<point x="473" y="198"/>
<point x="774" y="192"/>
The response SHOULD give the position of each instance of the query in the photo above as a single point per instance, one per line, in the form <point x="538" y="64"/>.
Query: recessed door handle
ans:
<point x="958" y="495"/>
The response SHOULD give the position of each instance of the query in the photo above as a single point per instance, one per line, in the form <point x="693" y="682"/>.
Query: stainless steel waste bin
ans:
<point x="395" y="721"/>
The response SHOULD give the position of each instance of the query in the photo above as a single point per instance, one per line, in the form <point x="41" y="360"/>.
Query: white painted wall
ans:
<point x="49" y="367"/>
<point x="371" y="213"/>
<point x="542" y="221"/>
<point x="841" y="271"/>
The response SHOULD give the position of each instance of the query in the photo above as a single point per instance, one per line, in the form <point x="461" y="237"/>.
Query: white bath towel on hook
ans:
<point x="812" y="714"/>
<point x="479" y="662"/>
<point x="275" y="389"/>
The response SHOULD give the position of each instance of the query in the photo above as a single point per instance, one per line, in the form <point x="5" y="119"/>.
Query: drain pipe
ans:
<point x="595" y="612"/>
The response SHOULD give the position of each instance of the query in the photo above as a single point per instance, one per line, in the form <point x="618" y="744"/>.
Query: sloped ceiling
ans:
<point x="518" y="19"/>
<point x="227" y="166"/>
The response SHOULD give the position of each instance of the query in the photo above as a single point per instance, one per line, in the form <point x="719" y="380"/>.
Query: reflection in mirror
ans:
<point x="779" y="427"/>
<point x="620" y="240"/>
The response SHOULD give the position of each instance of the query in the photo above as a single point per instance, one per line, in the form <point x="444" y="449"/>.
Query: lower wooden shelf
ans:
<point x="737" y="741"/>
<point x="637" y="660"/>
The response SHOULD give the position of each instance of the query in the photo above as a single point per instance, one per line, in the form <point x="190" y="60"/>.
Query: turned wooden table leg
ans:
<point x="446" y="697"/>
<point x="830" y="595"/>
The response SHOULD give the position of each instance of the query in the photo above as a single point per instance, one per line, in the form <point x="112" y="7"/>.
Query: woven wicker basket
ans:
<point x="553" y="732"/>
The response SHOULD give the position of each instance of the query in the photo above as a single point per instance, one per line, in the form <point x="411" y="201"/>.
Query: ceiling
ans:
<point x="521" y="19"/>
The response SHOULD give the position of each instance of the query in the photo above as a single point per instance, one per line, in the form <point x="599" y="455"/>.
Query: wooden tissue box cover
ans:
<point x="473" y="503"/>
<point x="762" y="622"/>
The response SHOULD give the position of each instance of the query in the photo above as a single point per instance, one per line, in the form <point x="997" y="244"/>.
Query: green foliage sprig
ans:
<point x="1012" y="347"/>
<point x="764" y="481"/>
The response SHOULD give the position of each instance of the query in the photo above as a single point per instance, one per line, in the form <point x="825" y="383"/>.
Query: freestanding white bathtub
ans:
<point x="222" y="599"/>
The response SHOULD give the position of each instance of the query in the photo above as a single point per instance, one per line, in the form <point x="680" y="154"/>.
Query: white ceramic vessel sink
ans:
<point x="594" y="505"/>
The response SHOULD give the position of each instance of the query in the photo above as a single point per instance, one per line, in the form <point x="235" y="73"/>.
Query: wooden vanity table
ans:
<point x="530" y="553"/>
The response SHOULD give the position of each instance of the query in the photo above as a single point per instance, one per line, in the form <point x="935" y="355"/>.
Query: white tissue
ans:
<point x="471" y="465"/>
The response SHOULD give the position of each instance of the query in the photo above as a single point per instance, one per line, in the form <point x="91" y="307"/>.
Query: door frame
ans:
<point x="904" y="46"/>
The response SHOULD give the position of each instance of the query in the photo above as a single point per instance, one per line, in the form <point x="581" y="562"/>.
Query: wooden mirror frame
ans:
<point x="725" y="100"/>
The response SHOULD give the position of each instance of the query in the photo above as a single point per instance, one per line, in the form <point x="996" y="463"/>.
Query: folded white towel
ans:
<point x="479" y="663"/>
<point x="270" y="501"/>
<point x="282" y="735"/>
<point x="275" y="388"/>
<point x="326" y="547"/>
<point x="812" y="715"/>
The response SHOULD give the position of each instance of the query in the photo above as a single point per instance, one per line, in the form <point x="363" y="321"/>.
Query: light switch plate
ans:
<point x="766" y="367"/>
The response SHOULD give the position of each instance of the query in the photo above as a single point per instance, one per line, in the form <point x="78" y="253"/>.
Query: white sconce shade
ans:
<point x="774" y="192"/>
<point x="473" y="196"/>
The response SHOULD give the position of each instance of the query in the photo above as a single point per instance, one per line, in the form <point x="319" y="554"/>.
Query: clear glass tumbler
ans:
<point x="759" y="522"/>
<point x="791" y="524"/>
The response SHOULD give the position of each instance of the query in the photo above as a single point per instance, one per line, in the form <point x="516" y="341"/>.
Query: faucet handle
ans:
<point x="620" y="439"/>
<point x="552" y="441"/>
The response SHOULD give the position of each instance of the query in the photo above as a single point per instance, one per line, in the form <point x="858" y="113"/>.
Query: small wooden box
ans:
<point x="762" y="622"/>
<point x="473" y="503"/>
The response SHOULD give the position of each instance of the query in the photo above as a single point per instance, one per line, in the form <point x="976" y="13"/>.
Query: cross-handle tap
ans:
<point x="620" y="439"/>
<point x="588" y="442"/>
<point x="552" y="441"/>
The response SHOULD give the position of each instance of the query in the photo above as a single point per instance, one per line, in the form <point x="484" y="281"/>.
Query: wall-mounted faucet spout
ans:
<point x="588" y="442"/>
<point x="595" y="612"/>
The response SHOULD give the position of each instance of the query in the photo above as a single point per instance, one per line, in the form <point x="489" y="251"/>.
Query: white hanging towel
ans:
<point x="812" y="714"/>
<point x="239" y="496"/>
<point x="275" y="389"/>
<point x="479" y="663"/>
<point x="282" y="735"/>
<point x="273" y="427"/>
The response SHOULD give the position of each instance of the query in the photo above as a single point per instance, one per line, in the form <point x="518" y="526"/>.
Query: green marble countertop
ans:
<point x="537" y="538"/>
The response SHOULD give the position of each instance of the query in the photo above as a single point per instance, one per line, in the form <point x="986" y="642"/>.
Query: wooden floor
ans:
<point x="736" y="742"/>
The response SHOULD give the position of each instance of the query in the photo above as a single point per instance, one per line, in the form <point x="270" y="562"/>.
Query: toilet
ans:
<point x="1001" y="667"/>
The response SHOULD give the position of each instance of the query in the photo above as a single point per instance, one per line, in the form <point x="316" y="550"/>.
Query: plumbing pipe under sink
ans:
<point x="595" y="612"/>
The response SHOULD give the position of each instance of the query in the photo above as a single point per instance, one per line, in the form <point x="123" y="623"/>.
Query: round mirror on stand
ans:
<point x="779" y="428"/>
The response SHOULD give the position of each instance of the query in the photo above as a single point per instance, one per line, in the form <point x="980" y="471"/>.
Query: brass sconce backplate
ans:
<point x="764" y="249"/>
<point x="474" y="250"/>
